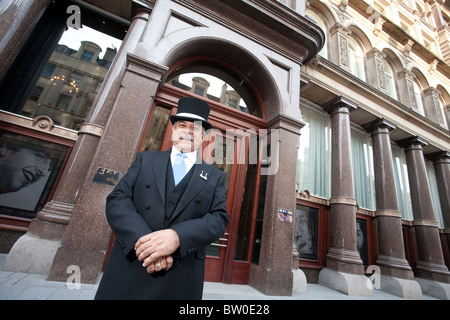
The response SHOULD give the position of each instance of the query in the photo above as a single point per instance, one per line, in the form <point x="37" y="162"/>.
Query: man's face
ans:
<point x="187" y="136"/>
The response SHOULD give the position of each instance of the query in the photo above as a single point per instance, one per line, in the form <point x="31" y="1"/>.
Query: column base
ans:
<point x="432" y="271"/>
<point x="299" y="284"/>
<point x="405" y="288"/>
<point x="31" y="254"/>
<point x="34" y="251"/>
<point x="347" y="283"/>
<point x="435" y="289"/>
<point x="271" y="282"/>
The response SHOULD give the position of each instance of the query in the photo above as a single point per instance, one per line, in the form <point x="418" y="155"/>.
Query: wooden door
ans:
<point x="227" y="147"/>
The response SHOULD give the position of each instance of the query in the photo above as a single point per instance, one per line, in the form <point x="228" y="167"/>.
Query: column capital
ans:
<point x="408" y="142"/>
<point x="375" y="52"/>
<point x="340" y="28"/>
<point x="405" y="73"/>
<point x="380" y="123"/>
<point x="432" y="90"/>
<point x="339" y="102"/>
<point x="141" y="13"/>
<point x="440" y="157"/>
<point x="282" y="121"/>
<point x="145" y="68"/>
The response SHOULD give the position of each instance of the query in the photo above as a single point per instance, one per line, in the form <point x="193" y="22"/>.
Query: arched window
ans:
<point x="444" y="104"/>
<point x="418" y="107"/>
<point x="390" y="79"/>
<point x="441" y="112"/>
<point x="217" y="84"/>
<point x="356" y="59"/>
<point x="316" y="18"/>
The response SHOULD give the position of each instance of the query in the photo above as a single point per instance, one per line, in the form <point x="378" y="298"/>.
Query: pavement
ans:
<point x="26" y="286"/>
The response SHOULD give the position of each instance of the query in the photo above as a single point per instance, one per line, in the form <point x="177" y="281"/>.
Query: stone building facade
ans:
<point x="331" y="120"/>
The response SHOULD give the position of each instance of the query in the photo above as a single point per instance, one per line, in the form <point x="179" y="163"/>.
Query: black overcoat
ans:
<point x="136" y="207"/>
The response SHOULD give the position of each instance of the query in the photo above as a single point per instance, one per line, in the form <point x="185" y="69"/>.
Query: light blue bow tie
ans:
<point x="179" y="168"/>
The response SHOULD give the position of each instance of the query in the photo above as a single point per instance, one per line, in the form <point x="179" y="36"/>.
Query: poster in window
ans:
<point x="361" y="240"/>
<point x="29" y="169"/>
<point x="306" y="232"/>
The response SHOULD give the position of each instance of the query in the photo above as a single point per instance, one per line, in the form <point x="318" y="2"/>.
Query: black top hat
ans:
<point x="192" y="109"/>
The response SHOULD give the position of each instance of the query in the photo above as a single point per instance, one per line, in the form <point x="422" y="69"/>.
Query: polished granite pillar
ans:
<point x="35" y="251"/>
<point x="273" y="275"/>
<point x="431" y="271"/>
<point x="115" y="152"/>
<point x="18" y="20"/>
<point x="396" y="274"/>
<point x="344" y="268"/>
<point x="441" y="162"/>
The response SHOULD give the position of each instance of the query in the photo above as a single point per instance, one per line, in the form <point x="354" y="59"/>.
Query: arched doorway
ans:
<point x="233" y="145"/>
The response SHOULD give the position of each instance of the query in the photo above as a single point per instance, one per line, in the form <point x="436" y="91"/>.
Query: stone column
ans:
<point x="433" y="275"/>
<point x="396" y="274"/>
<point x="344" y="271"/>
<point x="18" y="20"/>
<point x="273" y="275"/>
<point x="116" y="150"/>
<point x="34" y="251"/>
<point x="441" y="163"/>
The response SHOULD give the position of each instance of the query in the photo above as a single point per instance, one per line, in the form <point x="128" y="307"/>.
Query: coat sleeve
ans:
<point x="125" y="221"/>
<point x="197" y="233"/>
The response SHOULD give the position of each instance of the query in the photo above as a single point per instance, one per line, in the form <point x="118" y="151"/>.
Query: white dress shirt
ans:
<point x="191" y="158"/>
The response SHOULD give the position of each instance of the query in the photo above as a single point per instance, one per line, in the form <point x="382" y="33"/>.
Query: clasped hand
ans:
<point x="155" y="249"/>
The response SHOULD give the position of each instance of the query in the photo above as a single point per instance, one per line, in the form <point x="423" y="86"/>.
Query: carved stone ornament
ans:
<point x="40" y="123"/>
<point x="43" y="122"/>
<point x="305" y="194"/>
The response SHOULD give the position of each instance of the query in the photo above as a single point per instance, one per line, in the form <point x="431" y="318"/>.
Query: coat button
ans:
<point x="170" y="204"/>
<point x="147" y="207"/>
<point x="147" y="185"/>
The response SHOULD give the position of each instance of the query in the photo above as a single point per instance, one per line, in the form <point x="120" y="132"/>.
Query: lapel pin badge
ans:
<point x="204" y="176"/>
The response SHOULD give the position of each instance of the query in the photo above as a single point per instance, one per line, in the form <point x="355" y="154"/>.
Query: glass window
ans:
<point x="48" y="70"/>
<point x="362" y="240"/>
<point x="36" y="93"/>
<point x="418" y="107"/>
<point x="245" y="220"/>
<point x="434" y="194"/>
<point x="59" y="70"/>
<point x="156" y="130"/>
<point x="87" y="56"/>
<point x="390" y="80"/>
<point x="440" y="113"/>
<point x="402" y="183"/>
<point x="363" y="171"/>
<point x="306" y="231"/>
<point x="314" y="153"/>
<point x="356" y="59"/>
<point x="315" y="17"/>
<point x="69" y="83"/>
<point x="212" y="82"/>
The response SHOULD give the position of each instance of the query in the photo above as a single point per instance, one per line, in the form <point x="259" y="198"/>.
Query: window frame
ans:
<point x="322" y="237"/>
<point x="356" y="50"/>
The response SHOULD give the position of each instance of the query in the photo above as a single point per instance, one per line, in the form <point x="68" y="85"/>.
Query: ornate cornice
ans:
<point x="297" y="37"/>
<point x="42" y="124"/>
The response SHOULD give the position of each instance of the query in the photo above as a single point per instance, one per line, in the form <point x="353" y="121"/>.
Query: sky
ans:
<point x="72" y="38"/>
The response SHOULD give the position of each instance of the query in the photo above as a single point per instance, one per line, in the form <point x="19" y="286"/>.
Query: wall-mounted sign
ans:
<point x="107" y="176"/>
